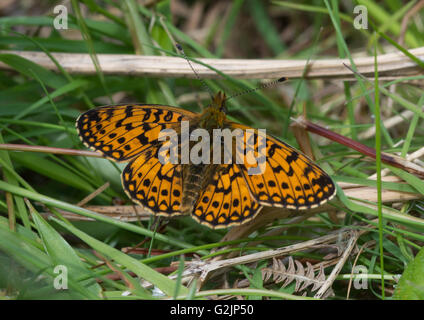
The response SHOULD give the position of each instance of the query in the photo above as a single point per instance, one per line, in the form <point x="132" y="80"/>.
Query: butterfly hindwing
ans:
<point x="226" y="200"/>
<point x="289" y="180"/>
<point x="122" y="132"/>
<point x="155" y="186"/>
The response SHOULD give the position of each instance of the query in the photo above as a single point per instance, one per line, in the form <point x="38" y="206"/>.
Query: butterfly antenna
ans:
<point x="263" y="86"/>
<point x="180" y="49"/>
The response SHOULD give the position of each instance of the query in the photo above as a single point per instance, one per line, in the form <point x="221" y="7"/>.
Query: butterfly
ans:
<point x="217" y="195"/>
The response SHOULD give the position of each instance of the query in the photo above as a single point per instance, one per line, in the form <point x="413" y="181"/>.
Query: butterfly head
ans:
<point x="218" y="102"/>
<point x="214" y="115"/>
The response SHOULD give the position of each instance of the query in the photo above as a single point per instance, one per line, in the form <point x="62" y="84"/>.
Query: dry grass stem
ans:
<point x="203" y="269"/>
<point x="391" y="66"/>
<point x="338" y="267"/>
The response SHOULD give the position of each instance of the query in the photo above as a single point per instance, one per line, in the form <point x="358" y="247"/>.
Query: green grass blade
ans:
<point x="140" y="269"/>
<point x="411" y="284"/>
<point x="38" y="262"/>
<point x="61" y="252"/>
<point x="378" y="167"/>
<point x="90" y="214"/>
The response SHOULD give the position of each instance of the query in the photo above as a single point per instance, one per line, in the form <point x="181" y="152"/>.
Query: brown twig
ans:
<point x="386" y="158"/>
<point x="94" y="194"/>
<point x="44" y="149"/>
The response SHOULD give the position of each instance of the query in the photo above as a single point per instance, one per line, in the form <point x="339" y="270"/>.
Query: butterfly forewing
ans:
<point x="123" y="132"/>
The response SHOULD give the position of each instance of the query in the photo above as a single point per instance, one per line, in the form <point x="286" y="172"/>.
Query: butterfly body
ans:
<point x="196" y="177"/>
<point x="218" y="195"/>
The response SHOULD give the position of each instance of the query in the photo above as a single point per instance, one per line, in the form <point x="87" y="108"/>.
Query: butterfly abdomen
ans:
<point x="196" y="178"/>
<point x="192" y="184"/>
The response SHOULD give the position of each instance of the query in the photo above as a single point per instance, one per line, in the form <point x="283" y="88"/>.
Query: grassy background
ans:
<point x="39" y="107"/>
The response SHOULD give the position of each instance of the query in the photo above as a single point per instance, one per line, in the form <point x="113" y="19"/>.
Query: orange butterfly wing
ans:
<point x="226" y="201"/>
<point x="155" y="186"/>
<point x="130" y="132"/>
<point x="122" y="132"/>
<point x="290" y="179"/>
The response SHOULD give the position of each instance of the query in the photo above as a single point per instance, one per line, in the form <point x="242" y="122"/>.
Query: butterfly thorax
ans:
<point x="213" y="116"/>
